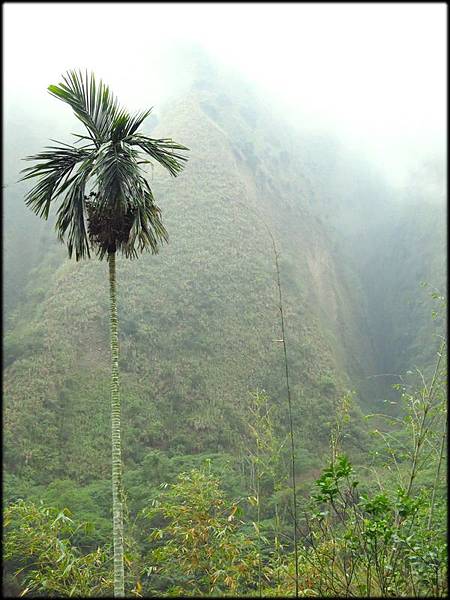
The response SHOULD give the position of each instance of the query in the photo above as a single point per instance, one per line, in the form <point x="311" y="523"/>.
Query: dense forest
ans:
<point x="212" y="450"/>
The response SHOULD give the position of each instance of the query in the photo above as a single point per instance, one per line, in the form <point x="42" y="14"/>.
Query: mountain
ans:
<point x="199" y="322"/>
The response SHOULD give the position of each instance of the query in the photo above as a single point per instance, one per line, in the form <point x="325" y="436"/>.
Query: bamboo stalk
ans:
<point x="291" y="428"/>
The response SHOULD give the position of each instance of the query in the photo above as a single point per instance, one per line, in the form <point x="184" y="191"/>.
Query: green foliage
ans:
<point x="198" y="325"/>
<point x="390" y="541"/>
<point x="265" y="450"/>
<point x="372" y="544"/>
<point x="363" y="534"/>
<point x="202" y="547"/>
<point x="39" y="548"/>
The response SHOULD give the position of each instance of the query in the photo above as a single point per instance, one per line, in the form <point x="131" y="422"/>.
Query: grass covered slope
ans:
<point x="197" y="322"/>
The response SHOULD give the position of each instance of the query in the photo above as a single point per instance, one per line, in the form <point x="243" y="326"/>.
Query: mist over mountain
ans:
<point x="199" y="322"/>
<point x="258" y="408"/>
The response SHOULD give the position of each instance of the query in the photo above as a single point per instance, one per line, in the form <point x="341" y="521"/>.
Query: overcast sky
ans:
<point x="373" y="73"/>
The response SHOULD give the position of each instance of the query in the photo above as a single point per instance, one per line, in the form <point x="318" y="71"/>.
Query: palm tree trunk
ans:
<point x="119" y="585"/>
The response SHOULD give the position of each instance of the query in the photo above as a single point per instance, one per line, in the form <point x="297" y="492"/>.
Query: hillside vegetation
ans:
<point x="199" y="331"/>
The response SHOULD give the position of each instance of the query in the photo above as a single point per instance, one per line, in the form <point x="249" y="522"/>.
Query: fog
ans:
<point x="372" y="74"/>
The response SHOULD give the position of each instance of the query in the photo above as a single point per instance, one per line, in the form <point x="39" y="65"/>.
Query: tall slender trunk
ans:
<point x="436" y="479"/>
<point x="291" y="426"/>
<point x="119" y="584"/>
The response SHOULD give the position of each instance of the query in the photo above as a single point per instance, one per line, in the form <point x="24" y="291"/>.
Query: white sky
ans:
<point x="373" y="73"/>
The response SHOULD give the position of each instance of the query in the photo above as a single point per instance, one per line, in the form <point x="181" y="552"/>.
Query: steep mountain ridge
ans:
<point x="197" y="325"/>
<point x="199" y="322"/>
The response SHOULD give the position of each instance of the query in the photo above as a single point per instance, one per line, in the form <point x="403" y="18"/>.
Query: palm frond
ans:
<point x="133" y="222"/>
<point x="161" y="150"/>
<point x="81" y="137"/>
<point x="53" y="171"/>
<point x="92" y="103"/>
<point x="71" y="217"/>
<point x="116" y="175"/>
<point x="126" y="125"/>
<point x="147" y="229"/>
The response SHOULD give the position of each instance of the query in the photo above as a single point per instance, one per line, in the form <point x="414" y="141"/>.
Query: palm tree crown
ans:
<point x="107" y="204"/>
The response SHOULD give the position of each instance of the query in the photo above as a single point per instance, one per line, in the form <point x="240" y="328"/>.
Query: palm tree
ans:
<point x="106" y="206"/>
